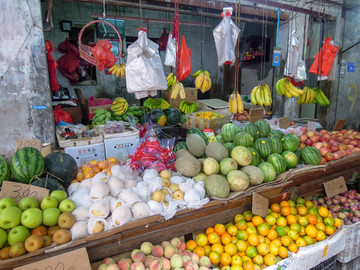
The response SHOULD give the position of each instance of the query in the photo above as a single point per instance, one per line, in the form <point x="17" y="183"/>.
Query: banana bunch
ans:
<point x="156" y="103"/>
<point x="308" y="96"/>
<point x="188" y="107"/>
<point x="261" y="95"/>
<point x="236" y="104"/>
<point x="285" y="87"/>
<point x="171" y="80"/>
<point x="119" y="106"/>
<point x="177" y="90"/>
<point x="118" y="70"/>
<point x="202" y="80"/>
<point x="101" y="116"/>
<point x="320" y="98"/>
<point x="134" y="111"/>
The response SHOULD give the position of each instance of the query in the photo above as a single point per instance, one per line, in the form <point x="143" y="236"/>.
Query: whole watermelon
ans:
<point x="200" y="133"/>
<point x="253" y="130"/>
<point x="263" y="147"/>
<point x="311" y="155"/>
<point x="158" y="117"/>
<point x="4" y="169"/>
<point x="219" y="138"/>
<point x="243" y="139"/>
<point x="26" y="164"/>
<point x="278" y="161"/>
<point x="290" y="159"/>
<point x="172" y="116"/>
<point x="268" y="170"/>
<point x="256" y="159"/>
<point x="277" y="132"/>
<point x="228" y="132"/>
<point x="264" y="128"/>
<point x="290" y="142"/>
<point x="179" y="145"/>
<point x="297" y="152"/>
<point x="276" y="144"/>
<point x="61" y="166"/>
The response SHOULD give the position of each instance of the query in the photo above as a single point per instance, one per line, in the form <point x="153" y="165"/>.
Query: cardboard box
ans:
<point x="255" y="114"/>
<point x="190" y="95"/>
<point x="83" y="154"/>
<point x="75" y="112"/>
<point x="91" y="109"/>
<point x="119" y="147"/>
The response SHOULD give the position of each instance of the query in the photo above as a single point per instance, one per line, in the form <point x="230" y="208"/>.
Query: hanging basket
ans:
<point x="85" y="49"/>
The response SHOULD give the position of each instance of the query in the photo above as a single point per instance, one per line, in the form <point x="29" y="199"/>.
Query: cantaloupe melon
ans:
<point x="238" y="180"/>
<point x="256" y="176"/>
<point x="182" y="152"/>
<point x="196" y="145"/>
<point x="216" y="151"/>
<point x="188" y="165"/>
<point x="216" y="185"/>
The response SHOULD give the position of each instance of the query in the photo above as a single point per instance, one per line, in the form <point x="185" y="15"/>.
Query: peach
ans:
<point x="169" y="251"/>
<point x="205" y="261"/>
<point x="182" y="246"/>
<point x="175" y="242"/>
<point x="125" y="263"/>
<point x="176" y="261"/>
<point x="148" y="259"/>
<point x="195" y="258"/>
<point x="186" y="252"/>
<point x="186" y="259"/>
<point x="133" y="253"/>
<point x="165" y="243"/>
<point x="108" y="260"/>
<point x="157" y="251"/>
<point x="139" y="257"/>
<point x="146" y="247"/>
<point x="165" y="263"/>
<point x="191" y="266"/>
<point x="203" y="268"/>
<point x="102" y="266"/>
<point x="112" y="266"/>
<point x="137" y="266"/>
<point x="155" y="264"/>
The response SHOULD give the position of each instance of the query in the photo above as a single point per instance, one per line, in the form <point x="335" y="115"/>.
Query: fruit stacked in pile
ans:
<point x="202" y="80"/>
<point x="241" y="116"/>
<point x="101" y="116"/>
<point x="119" y="106"/>
<point x="188" y="107"/>
<point x="90" y="169"/>
<point x="30" y="225"/>
<point x="118" y="70"/>
<point x="253" y="242"/>
<point x="134" y="112"/>
<point x="236" y="104"/>
<point x="261" y="95"/>
<point x="156" y="103"/>
<point x="209" y="115"/>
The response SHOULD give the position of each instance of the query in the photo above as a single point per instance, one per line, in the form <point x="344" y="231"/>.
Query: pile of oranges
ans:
<point x="253" y="242"/>
<point x="90" y="169"/>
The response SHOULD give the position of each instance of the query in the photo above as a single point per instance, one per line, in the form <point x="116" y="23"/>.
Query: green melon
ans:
<point x="256" y="159"/>
<point x="210" y="166"/>
<point x="4" y="169"/>
<point x="179" y="145"/>
<point x="243" y="139"/>
<point x="278" y="161"/>
<point x="311" y="155"/>
<point x="219" y="138"/>
<point x="217" y="151"/>
<point x="227" y="165"/>
<point x="268" y="170"/>
<point x="264" y="128"/>
<point x="229" y="146"/>
<point x="217" y="186"/>
<point x="276" y="144"/>
<point x="277" y="132"/>
<point x="256" y="175"/>
<point x="263" y="147"/>
<point x="228" y="131"/>
<point x="196" y="145"/>
<point x="290" y="142"/>
<point x="242" y="155"/>
<point x="200" y="133"/>
<point x="188" y="165"/>
<point x="238" y="180"/>
<point x="290" y="159"/>
<point x="253" y="130"/>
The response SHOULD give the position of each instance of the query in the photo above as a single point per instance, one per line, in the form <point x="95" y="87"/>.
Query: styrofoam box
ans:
<point x="119" y="147"/>
<point x="352" y="245"/>
<point x="351" y="265"/>
<point x="83" y="154"/>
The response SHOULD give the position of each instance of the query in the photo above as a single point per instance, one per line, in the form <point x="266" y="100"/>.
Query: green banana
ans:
<point x="197" y="73"/>
<point x="100" y="111"/>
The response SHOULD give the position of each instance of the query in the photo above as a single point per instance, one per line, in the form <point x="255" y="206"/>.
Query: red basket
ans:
<point x="85" y="49"/>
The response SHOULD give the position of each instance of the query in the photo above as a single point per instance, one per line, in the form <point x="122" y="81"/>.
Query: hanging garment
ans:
<point x="54" y="83"/>
<point x="68" y="64"/>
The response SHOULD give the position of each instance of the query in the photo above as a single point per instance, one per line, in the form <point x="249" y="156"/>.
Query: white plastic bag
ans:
<point x="225" y="35"/>
<point x="170" y="52"/>
<point x="293" y="56"/>
<point x="144" y="70"/>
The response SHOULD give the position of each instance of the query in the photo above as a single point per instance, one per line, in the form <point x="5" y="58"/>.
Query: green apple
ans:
<point x="7" y="202"/>
<point x="10" y="217"/>
<point x="49" y="202"/>
<point x="28" y="202"/>
<point x="50" y="216"/>
<point x="67" y="205"/>
<point x="18" y="234"/>
<point x="60" y="195"/>
<point x="3" y="238"/>
<point x="32" y="218"/>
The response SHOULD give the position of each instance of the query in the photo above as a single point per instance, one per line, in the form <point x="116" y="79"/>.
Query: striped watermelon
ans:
<point x="277" y="132"/>
<point x="179" y="145"/>
<point x="268" y="170"/>
<point x="263" y="147"/>
<point x="311" y="155"/>
<point x="290" y="158"/>
<point x="290" y="142"/>
<point x="253" y="130"/>
<point x="264" y="128"/>
<point x="219" y="138"/>
<point x="297" y="152"/>
<point x="4" y="169"/>
<point x="26" y="164"/>
<point x="243" y="139"/>
<point x="256" y="160"/>
<point x="229" y="146"/>
<point x="278" y="161"/>
<point x="200" y="133"/>
<point x="276" y="144"/>
<point x="228" y="132"/>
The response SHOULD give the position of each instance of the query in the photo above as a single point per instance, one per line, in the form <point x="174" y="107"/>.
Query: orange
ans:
<point x="323" y="211"/>
<point x="242" y="235"/>
<point x="219" y="228"/>
<point x="263" y="229"/>
<point x="293" y="235"/>
<point x="291" y="203"/>
<point x="285" y="211"/>
<point x="191" y="245"/>
<point x="232" y="230"/>
<point x="225" y="238"/>
<point x="281" y="221"/>
<point x="283" y="252"/>
<point x="329" y="221"/>
<point x="227" y="225"/>
<point x="219" y="248"/>
<point x="274" y="249"/>
<point x="270" y="219"/>
<point x="300" y="200"/>
<point x="312" y="211"/>
<point x="302" y="231"/>
<point x="262" y="239"/>
<point x="303" y="221"/>
<point x="200" y="251"/>
<point x="276" y="215"/>
<point x="248" y="265"/>
<point x="269" y="259"/>
<point x="308" y="240"/>
<point x="267" y="241"/>
<point x="293" y="248"/>
<point x="209" y="230"/>
<point x="236" y="260"/>
<point x="241" y="224"/>
<point x="80" y="176"/>
<point x="254" y="239"/>
<point x="251" y="230"/>
<point x="329" y="230"/>
<point x="291" y="219"/>
<point x="225" y="259"/>
<point x="276" y="242"/>
<point x="207" y="250"/>
<point x="230" y="249"/>
<point x="302" y="210"/>
<point x="248" y="215"/>
<point x="258" y="259"/>
<point x="312" y="219"/>
<point x="319" y="218"/>
<point x="233" y="239"/>
<point x="311" y="230"/>
<point x="257" y="220"/>
<point x="338" y="222"/>
<point x="201" y="240"/>
<point x="293" y="211"/>
<point x="214" y="257"/>
<point x="238" y="217"/>
<point x="241" y="246"/>
<point x="285" y="240"/>
<point x="320" y="236"/>
<point x="309" y="204"/>
<point x="320" y="226"/>
<point x="251" y="252"/>
<point x="213" y="237"/>
<point x="284" y="204"/>
<point x="263" y="249"/>
<point x="272" y="234"/>
<point x="103" y="164"/>
<point x="280" y="230"/>
<point x="295" y="227"/>
<point x="250" y="224"/>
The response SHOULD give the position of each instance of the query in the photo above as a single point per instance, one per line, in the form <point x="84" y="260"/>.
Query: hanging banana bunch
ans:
<point x="285" y="87"/>
<point x="308" y="96"/>
<point x="261" y="95"/>
<point x="236" y="104"/>
<point x="321" y="98"/>
<point x="202" y="80"/>
<point x="177" y="90"/>
<point x="118" y="70"/>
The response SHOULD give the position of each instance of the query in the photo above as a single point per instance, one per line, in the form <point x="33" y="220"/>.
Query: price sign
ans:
<point x="311" y="125"/>
<point x="28" y="143"/>
<point x="284" y="122"/>
<point x="73" y="260"/>
<point x="335" y="186"/>
<point x="260" y="205"/>
<point x="17" y="191"/>
<point x="339" y="124"/>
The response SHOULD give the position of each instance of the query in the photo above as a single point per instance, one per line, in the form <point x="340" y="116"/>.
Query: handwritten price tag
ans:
<point x="28" y="143"/>
<point x="335" y="187"/>
<point x="73" y="260"/>
<point x="284" y="122"/>
<point x="339" y="124"/>
<point x="260" y="205"/>
<point x="17" y="191"/>
<point x="311" y="125"/>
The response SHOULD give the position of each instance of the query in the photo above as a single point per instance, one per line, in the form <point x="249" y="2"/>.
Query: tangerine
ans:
<point x="309" y="240"/>
<point x="236" y="260"/>
<point x="258" y="259"/>
<point x="238" y="217"/>
<point x="269" y="259"/>
<point x="272" y="234"/>
<point x="225" y="259"/>
<point x="209" y="230"/>
<point x="286" y="240"/>
<point x="274" y="249"/>
<point x="283" y="252"/>
<point x="312" y="219"/>
<point x="291" y="203"/>
<point x="251" y="252"/>
<point x="284" y="204"/>
<point x="293" y="235"/>
<point x="300" y="200"/>
<point x="293" y="248"/>
<point x="263" y="229"/>
<point x="103" y="164"/>
<point x="323" y="211"/>
<point x="276" y="242"/>
<point x="219" y="248"/>
<point x="263" y="249"/>
<point x="320" y="236"/>
<point x="251" y="230"/>
<point x="329" y="230"/>
<point x="214" y="257"/>
<point x="302" y="210"/>
<point x="285" y="211"/>
<point x="309" y="204"/>
<point x="295" y="227"/>
<point x="207" y="250"/>
<point x="248" y="265"/>
<point x="303" y="221"/>
<point x="281" y="221"/>
<point x="225" y="238"/>
<point x="242" y="235"/>
<point x="230" y="249"/>
<point x="241" y="224"/>
<point x="254" y="239"/>
<point x="191" y="245"/>
<point x="219" y="228"/>
<point x="291" y="219"/>
<point x="337" y="222"/>
<point x="241" y="246"/>
<point x="320" y="226"/>
<point x="311" y="230"/>
<point x="201" y="240"/>
<point x="247" y="215"/>
<point x="270" y="219"/>
<point x="232" y="230"/>
<point x="293" y="211"/>
<point x="257" y="220"/>
<point x="213" y="237"/>
<point x="280" y="230"/>
<point x="330" y="221"/>
<point x="200" y="251"/>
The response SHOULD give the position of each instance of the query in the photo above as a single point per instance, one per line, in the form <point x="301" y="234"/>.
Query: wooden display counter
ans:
<point x="302" y="181"/>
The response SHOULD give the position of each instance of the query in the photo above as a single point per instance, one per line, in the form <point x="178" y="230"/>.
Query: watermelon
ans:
<point x="243" y="139"/>
<point x="263" y="147"/>
<point x="179" y="145"/>
<point x="26" y="164"/>
<point x="4" y="169"/>
<point x="256" y="159"/>
<point x="297" y="152"/>
<point x="290" y="159"/>
<point x="172" y="116"/>
<point x="276" y="144"/>
<point x="311" y="155"/>
<point x="253" y="130"/>
<point x="290" y="142"/>
<point x="268" y="170"/>
<point x="49" y="183"/>
<point x="183" y="118"/>
<point x="228" y="132"/>
<point x="158" y="117"/>
<point x="264" y="128"/>
<point x="229" y="146"/>
<point x="277" y="132"/>
<point x="219" y="138"/>
<point x="200" y="133"/>
<point x="61" y="166"/>
<point x="278" y="161"/>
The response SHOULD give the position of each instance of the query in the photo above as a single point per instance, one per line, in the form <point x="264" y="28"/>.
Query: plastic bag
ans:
<point x="102" y="52"/>
<point x="144" y="70"/>
<point x="163" y="40"/>
<point x="61" y="115"/>
<point x="225" y="35"/>
<point x="327" y="55"/>
<point x="185" y="64"/>
<point x="293" y="57"/>
<point x="170" y="53"/>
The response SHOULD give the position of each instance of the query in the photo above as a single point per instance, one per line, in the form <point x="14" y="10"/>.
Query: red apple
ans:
<point x="323" y="161"/>
<point x="317" y="145"/>
<point x="324" y="151"/>
<point x="338" y="155"/>
<point x="302" y="145"/>
<point x="344" y="153"/>
<point x="325" y="144"/>
<point x="346" y="141"/>
<point x="339" y="139"/>
<point x="334" y="148"/>
<point x="350" y="146"/>
<point x="303" y="129"/>
<point x="353" y="142"/>
<point x="303" y="138"/>
<point x="309" y="142"/>
<point x="342" y="147"/>
<point x="310" y="133"/>
<point x="323" y="131"/>
<point x="357" y="137"/>
<point x="314" y="138"/>
<point x="349" y="151"/>
<point x="343" y="131"/>
<point x="329" y="156"/>
<point x="357" y="149"/>
<point x="351" y="136"/>
<point x="323" y="139"/>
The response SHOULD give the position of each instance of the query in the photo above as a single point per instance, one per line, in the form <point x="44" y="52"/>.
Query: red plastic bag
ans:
<point x="185" y="64"/>
<point x="103" y="54"/>
<point x="327" y="55"/>
<point x="163" y="40"/>
<point x="60" y="115"/>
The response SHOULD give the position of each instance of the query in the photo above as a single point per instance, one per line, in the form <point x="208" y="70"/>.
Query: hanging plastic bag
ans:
<point x="324" y="59"/>
<point x="163" y="40"/>
<point x="170" y="53"/>
<point x="61" y="115"/>
<point x="301" y="74"/>
<point x="102" y="52"/>
<point x="226" y="34"/>
<point x="144" y="69"/>
<point x="185" y="63"/>
<point x="293" y="56"/>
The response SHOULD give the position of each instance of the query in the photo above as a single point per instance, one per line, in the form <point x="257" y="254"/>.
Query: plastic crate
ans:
<point x="329" y="264"/>
<point x="352" y="243"/>
<point x="352" y="265"/>
<point x="215" y="124"/>
<point x="179" y="133"/>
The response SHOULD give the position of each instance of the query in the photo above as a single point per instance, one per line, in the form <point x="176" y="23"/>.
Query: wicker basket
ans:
<point x="85" y="49"/>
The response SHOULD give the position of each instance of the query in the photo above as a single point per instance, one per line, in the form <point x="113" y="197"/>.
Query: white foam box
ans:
<point x="83" y="154"/>
<point x="119" y="147"/>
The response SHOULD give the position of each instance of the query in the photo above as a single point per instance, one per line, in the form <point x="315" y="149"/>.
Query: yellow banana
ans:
<point x="267" y="95"/>
<point x="181" y="91"/>
<point x="199" y="81"/>
<point x="169" y="76"/>
<point x="280" y="87"/>
<point x="253" y="95"/>
<point x="206" y="85"/>
<point x="292" y="89"/>
<point x="260" y="95"/>
<point x="118" y="71"/>
<point x="233" y="103"/>
<point x="197" y="73"/>
<point x="112" y="68"/>
<point x="175" y="90"/>
<point x="240" y="103"/>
